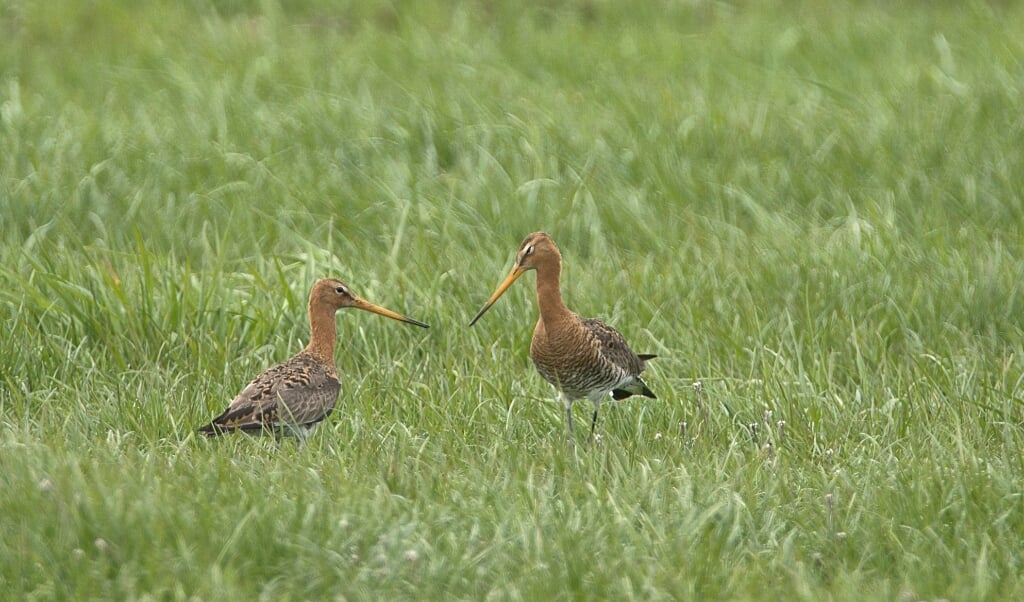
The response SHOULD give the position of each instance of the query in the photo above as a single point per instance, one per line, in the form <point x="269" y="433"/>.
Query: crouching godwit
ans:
<point x="295" y="395"/>
<point x="581" y="357"/>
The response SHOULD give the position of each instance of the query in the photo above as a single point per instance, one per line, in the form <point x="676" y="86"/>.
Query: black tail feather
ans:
<point x="619" y="394"/>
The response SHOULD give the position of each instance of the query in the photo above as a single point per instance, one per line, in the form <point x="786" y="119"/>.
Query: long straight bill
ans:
<point x="516" y="273"/>
<point x="360" y="303"/>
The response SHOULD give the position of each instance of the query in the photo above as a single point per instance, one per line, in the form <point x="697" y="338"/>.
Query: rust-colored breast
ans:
<point x="582" y="356"/>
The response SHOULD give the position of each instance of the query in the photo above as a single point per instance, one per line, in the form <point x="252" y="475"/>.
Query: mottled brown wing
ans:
<point x="311" y="402"/>
<point x="616" y="351"/>
<point x="614" y="347"/>
<point x="300" y="391"/>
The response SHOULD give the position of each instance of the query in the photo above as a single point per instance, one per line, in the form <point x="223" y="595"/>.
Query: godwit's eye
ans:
<point x="529" y="251"/>
<point x="341" y="290"/>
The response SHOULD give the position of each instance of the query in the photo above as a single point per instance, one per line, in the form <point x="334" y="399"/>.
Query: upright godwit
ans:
<point x="295" y="395"/>
<point x="581" y="357"/>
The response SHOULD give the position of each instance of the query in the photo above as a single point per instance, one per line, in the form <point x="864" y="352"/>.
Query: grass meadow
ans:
<point x="813" y="209"/>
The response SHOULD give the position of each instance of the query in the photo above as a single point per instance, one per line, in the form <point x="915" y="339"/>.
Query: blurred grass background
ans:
<point x="813" y="209"/>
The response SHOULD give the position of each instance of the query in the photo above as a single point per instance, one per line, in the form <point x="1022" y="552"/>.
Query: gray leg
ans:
<point x="568" y="411"/>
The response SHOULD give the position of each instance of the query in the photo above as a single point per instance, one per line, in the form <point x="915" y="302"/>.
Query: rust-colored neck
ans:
<point x="322" y="331"/>
<point x="549" y="293"/>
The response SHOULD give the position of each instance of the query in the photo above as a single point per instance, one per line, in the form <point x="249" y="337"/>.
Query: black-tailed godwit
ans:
<point x="581" y="357"/>
<point x="296" y="395"/>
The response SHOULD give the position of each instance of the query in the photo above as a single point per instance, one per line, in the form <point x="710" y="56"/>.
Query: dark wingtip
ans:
<point x="647" y="356"/>
<point x="211" y="430"/>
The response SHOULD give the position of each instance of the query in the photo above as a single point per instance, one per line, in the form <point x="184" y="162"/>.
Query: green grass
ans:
<point x="812" y="208"/>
